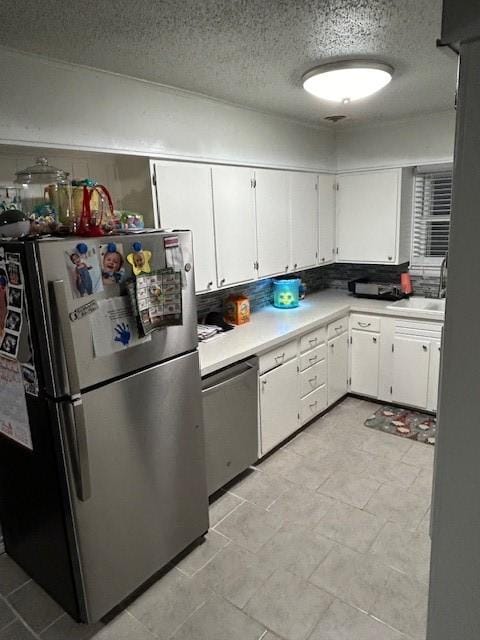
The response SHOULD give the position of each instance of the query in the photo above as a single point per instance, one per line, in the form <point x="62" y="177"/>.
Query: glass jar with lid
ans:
<point x="46" y="191"/>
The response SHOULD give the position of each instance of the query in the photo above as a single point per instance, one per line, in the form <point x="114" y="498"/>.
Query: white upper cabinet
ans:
<point x="184" y="199"/>
<point x="326" y="218"/>
<point x="235" y="229"/>
<point x="373" y="216"/>
<point x="271" y="199"/>
<point x="303" y="219"/>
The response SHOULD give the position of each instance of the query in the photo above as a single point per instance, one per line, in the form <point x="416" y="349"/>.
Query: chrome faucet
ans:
<point x="442" y="285"/>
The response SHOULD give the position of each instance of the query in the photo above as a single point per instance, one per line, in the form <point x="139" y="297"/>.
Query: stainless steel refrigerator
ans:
<point x="114" y="486"/>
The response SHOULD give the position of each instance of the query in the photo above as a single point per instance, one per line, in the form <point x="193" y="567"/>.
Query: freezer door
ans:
<point x="142" y="458"/>
<point x="72" y="337"/>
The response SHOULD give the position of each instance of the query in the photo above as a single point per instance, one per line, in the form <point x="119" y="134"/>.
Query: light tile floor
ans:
<point x="327" y="539"/>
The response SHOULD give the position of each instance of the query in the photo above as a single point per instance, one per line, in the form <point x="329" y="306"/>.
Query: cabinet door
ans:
<point x="303" y="219"/>
<point x="337" y="368"/>
<point x="433" y="375"/>
<point x="271" y="204"/>
<point x="184" y="197"/>
<point x="410" y="371"/>
<point x="368" y="209"/>
<point x="326" y="218"/>
<point x="279" y="405"/>
<point x="235" y="233"/>
<point x="365" y="355"/>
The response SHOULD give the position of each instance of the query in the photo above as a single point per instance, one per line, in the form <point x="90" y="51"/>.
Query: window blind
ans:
<point x="431" y="219"/>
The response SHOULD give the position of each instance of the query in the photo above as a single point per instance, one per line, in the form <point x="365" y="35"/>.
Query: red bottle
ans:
<point x="406" y="284"/>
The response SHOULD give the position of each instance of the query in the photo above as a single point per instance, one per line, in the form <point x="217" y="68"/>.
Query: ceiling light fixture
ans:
<point x="347" y="80"/>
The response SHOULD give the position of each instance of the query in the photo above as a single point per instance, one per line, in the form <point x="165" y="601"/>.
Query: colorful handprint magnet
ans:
<point x="140" y="259"/>
<point x="122" y="334"/>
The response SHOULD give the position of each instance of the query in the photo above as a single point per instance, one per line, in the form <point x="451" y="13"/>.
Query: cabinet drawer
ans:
<point x="364" y="323"/>
<point x="313" y="339"/>
<point x="313" y="378"/>
<point x="312" y="357"/>
<point x="278" y="356"/>
<point x="336" y="328"/>
<point x="313" y="404"/>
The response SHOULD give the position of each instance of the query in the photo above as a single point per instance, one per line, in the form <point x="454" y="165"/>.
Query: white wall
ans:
<point x="425" y="139"/>
<point x="54" y="104"/>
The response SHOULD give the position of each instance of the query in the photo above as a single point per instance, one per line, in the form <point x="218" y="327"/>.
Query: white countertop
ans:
<point x="271" y="326"/>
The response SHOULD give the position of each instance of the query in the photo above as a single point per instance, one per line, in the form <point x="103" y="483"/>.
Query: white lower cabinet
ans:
<point x="312" y="378"/>
<point x="391" y="359"/>
<point x="410" y="371"/>
<point x="364" y="364"/>
<point x="416" y="363"/>
<point x="434" y="375"/>
<point x="337" y="367"/>
<point x="278" y="398"/>
<point x="313" y="404"/>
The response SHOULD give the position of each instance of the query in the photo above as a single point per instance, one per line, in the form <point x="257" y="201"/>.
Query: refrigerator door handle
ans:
<point x="84" y="488"/>
<point x="78" y="419"/>
<point x="61" y="303"/>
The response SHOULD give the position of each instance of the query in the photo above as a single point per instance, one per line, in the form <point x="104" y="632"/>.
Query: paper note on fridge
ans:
<point x="114" y="327"/>
<point x="13" y="406"/>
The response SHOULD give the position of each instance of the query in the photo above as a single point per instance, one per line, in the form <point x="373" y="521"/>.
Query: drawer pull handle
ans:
<point x="313" y="341"/>
<point x="375" y="341"/>
<point x="313" y="380"/>
<point x="424" y="347"/>
<point x="339" y="328"/>
<point x="364" y="324"/>
<point x="280" y="357"/>
<point x="313" y="359"/>
<point x="313" y="405"/>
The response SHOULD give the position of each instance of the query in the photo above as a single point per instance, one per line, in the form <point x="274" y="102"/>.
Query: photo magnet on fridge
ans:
<point x="84" y="270"/>
<point x="3" y="299"/>
<point x="14" y="273"/>
<point x="13" y="321"/>
<point x="112" y="262"/>
<point x="14" y="297"/>
<point x="140" y="259"/>
<point x="9" y="345"/>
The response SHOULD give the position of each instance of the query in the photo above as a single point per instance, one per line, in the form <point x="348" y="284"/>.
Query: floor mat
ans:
<point x="405" y="423"/>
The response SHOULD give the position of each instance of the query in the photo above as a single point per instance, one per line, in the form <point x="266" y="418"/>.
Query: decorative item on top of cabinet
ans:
<point x="184" y="198"/>
<point x="374" y="210"/>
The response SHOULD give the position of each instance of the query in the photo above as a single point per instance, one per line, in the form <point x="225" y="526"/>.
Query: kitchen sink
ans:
<point x="431" y="306"/>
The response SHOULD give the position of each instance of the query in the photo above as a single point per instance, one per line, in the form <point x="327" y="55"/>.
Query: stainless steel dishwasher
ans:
<point x="230" y="409"/>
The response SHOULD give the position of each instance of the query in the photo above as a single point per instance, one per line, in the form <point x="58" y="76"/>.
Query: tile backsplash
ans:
<point x="334" y="276"/>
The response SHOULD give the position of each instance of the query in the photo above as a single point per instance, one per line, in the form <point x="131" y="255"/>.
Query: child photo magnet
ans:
<point x="84" y="270"/>
<point x="112" y="262"/>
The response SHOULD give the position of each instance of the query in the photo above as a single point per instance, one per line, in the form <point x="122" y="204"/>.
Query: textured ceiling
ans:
<point x="250" y="52"/>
